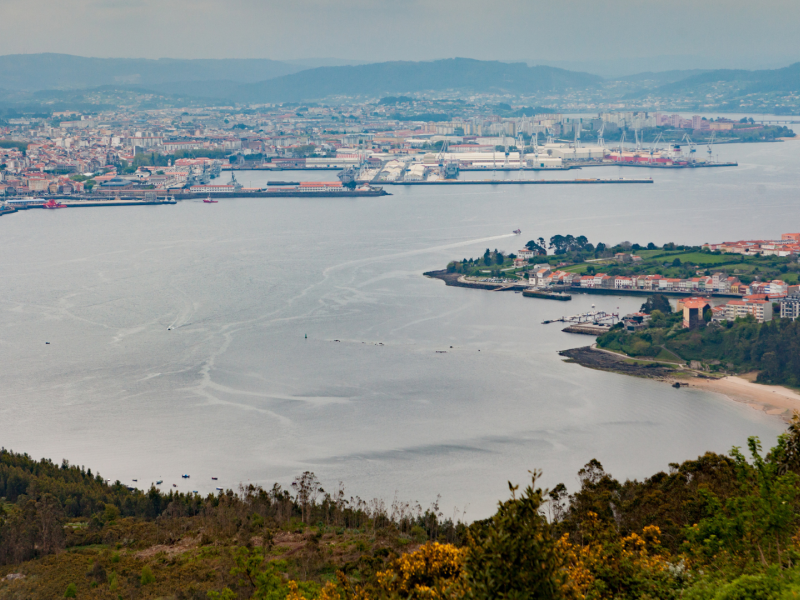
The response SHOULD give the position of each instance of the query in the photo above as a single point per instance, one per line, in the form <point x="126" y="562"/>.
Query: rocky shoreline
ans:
<point x="606" y="361"/>
<point x="453" y="279"/>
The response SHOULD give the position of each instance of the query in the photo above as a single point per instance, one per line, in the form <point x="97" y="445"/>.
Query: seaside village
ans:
<point x="754" y="299"/>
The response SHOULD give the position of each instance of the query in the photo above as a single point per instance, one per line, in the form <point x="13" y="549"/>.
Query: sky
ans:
<point x="668" y="34"/>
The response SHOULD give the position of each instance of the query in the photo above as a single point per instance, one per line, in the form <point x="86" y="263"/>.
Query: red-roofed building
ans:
<point x="693" y="311"/>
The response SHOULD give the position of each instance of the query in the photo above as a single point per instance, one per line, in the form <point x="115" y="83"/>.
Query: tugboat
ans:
<point x="53" y="204"/>
<point x="210" y="201"/>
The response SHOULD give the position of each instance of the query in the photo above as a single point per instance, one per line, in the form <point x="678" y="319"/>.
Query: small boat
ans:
<point x="135" y="480"/>
<point x="517" y="231"/>
<point x="213" y="479"/>
<point x="210" y="201"/>
<point x="174" y="485"/>
<point x="185" y="476"/>
<point x="159" y="482"/>
<point x="53" y="204"/>
<point x="219" y="489"/>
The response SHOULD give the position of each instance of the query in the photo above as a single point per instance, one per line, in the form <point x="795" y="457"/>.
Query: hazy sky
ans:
<point x="716" y="32"/>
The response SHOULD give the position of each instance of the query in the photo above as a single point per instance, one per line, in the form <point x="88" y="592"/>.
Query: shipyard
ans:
<point x="84" y="160"/>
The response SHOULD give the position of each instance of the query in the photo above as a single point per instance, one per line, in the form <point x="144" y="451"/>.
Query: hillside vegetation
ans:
<point x="378" y="79"/>
<point x="718" y="527"/>
<point x="772" y="348"/>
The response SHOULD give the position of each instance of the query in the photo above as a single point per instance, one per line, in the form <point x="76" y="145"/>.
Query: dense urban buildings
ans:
<point x="125" y="151"/>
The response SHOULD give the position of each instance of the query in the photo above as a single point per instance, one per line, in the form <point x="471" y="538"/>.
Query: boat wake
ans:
<point x="373" y="259"/>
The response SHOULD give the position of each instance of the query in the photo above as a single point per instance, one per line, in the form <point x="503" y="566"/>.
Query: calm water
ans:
<point x="235" y="390"/>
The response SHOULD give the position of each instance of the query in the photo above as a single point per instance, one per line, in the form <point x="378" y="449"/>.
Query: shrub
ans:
<point x="147" y="576"/>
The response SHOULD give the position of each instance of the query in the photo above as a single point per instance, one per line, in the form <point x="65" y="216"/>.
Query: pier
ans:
<point x="451" y="182"/>
<point x="592" y="317"/>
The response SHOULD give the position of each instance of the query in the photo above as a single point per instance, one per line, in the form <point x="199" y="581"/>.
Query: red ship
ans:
<point x="53" y="204"/>
<point x="210" y="201"/>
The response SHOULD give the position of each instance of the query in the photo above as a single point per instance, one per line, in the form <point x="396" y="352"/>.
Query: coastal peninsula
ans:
<point x="731" y="326"/>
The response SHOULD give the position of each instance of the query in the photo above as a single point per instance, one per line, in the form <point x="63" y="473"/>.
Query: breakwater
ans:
<point x="449" y="182"/>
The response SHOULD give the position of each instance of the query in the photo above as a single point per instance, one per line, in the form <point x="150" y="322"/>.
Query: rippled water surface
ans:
<point x="177" y="336"/>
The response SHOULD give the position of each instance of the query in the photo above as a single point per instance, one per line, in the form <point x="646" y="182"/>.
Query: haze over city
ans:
<point x="613" y="38"/>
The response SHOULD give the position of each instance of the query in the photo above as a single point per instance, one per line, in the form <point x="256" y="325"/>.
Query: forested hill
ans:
<point x="716" y="528"/>
<point x="50" y="71"/>
<point x="380" y="79"/>
<point x="786" y="79"/>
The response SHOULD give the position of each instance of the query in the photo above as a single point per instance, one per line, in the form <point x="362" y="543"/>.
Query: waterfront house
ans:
<point x="623" y="283"/>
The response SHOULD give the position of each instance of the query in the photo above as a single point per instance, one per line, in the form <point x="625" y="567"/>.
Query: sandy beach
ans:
<point x="772" y="399"/>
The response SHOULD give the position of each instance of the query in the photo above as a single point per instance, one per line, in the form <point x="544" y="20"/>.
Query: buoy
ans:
<point x="306" y="336"/>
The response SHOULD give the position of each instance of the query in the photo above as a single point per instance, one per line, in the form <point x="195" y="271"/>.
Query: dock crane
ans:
<point x="639" y="142"/>
<point x="621" y="143"/>
<point x="654" y="146"/>
<point x="710" y="144"/>
<point x="600" y="141"/>
<point x="442" y="151"/>
<point x="692" y="145"/>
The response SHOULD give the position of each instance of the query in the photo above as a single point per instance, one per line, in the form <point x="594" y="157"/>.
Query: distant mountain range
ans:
<point x="30" y="79"/>
<point x="261" y="80"/>
<point x="407" y="77"/>
<point x="32" y="72"/>
<point x="786" y="79"/>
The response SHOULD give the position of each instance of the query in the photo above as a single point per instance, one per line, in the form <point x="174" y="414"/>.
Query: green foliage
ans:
<point x="263" y="578"/>
<point x="22" y="146"/>
<point x="110" y="513"/>
<point x="754" y="527"/>
<point x="304" y="151"/>
<point x="772" y="348"/>
<point x="512" y="554"/>
<point x="562" y="244"/>
<point x="657" y="302"/>
<point x="226" y="594"/>
<point x="718" y="527"/>
<point x="147" y="576"/>
<point x="71" y="591"/>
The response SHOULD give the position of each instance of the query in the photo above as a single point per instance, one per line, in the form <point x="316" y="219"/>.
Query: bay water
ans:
<point x="255" y="339"/>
